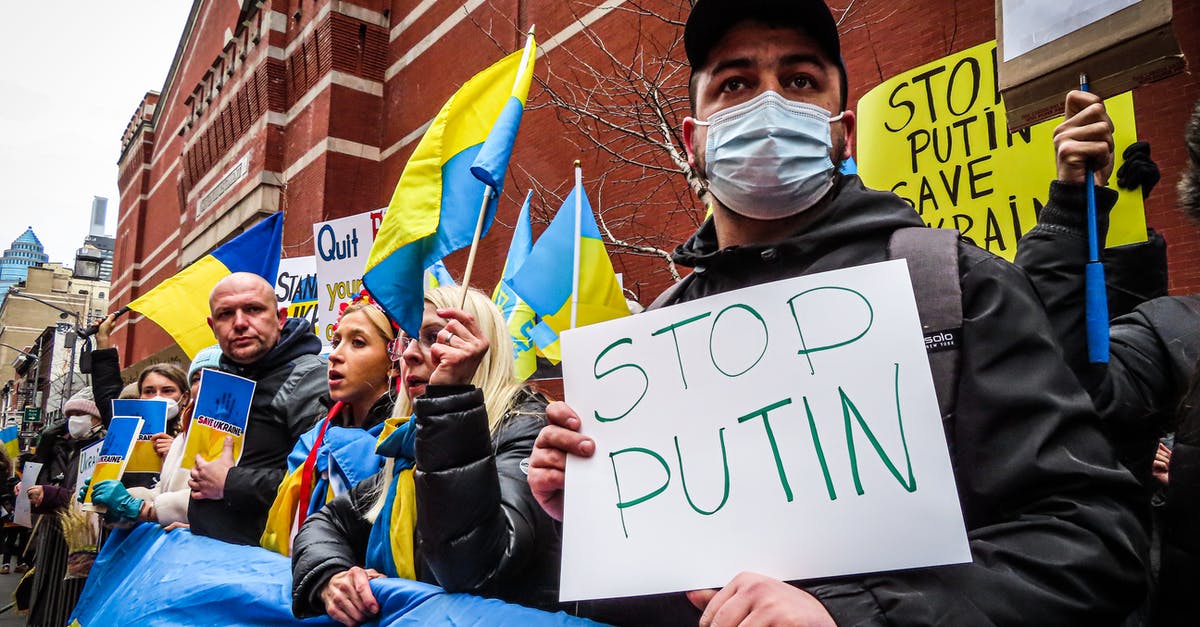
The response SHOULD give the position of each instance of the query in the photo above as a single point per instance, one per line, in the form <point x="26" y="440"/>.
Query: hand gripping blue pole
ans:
<point x="1095" y="294"/>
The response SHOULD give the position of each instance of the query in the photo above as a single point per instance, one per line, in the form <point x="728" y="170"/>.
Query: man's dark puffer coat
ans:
<point x="479" y="529"/>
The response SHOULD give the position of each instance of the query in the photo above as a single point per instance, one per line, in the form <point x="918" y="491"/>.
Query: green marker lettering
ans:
<point x="783" y="481"/>
<point x="601" y="375"/>
<point x="816" y="438"/>
<point x="805" y="350"/>
<point x="683" y="476"/>
<point x="849" y="408"/>
<point x="672" y="328"/>
<point x="621" y="505"/>
<point x="713" y="332"/>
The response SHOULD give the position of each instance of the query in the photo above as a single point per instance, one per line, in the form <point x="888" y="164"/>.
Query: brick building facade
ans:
<point x="313" y="107"/>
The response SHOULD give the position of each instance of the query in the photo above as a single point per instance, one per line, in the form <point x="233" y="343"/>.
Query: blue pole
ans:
<point x="1096" y="297"/>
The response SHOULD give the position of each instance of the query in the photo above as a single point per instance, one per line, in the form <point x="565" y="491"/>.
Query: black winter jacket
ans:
<point x="1047" y="509"/>
<point x="106" y="381"/>
<point x="479" y="529"/>
<point x="290" y="381"/>
<point x="1143" y="392"/>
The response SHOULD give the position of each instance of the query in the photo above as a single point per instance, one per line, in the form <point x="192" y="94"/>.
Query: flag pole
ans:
<point x="487" y="196"/>
<point x="1095" y="292"/>
<point x="524" y="57"/>
<point x="488" y="191"/>
<point x="575" y="244"/>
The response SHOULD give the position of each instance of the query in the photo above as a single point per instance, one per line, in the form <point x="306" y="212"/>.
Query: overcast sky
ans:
<point x="75" y="74"/>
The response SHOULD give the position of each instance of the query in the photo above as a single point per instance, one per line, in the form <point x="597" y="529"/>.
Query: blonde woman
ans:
<point x="452" y="506"/>
<point x="339" y="451"/>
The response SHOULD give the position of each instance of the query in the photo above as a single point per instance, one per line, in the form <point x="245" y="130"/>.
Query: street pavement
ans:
<point x="9" y="617"/>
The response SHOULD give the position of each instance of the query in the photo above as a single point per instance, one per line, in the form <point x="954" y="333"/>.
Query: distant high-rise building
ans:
<point x="99" y="213"/>
<point x="26" y="250"/>
<point x="97" y="247"/>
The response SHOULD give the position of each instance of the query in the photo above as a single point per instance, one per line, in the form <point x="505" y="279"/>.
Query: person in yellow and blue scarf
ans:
<point x="452" y="506"/>
<point x="339" y="451"/>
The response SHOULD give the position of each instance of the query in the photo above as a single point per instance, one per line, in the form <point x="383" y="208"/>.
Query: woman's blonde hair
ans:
<point x="495" y="376"/>
<point x="375" y="315"/>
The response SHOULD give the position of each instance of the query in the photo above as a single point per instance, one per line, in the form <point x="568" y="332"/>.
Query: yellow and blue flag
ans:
<point x="10" y="437"/>
<point x="517" y="313"/>
<point x="436" y="204"/>
<point x="544" y="281"/>
<point x="180" y="304"/>
<point x="437" y="275"/>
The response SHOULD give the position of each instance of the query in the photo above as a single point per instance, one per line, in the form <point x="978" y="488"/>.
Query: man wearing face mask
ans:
<point x="1046" y="508"/>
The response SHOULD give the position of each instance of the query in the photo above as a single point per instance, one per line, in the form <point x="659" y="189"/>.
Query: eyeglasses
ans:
<point x="428" y="337"/>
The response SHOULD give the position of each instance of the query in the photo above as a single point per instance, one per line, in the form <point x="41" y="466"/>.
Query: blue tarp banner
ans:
<point x="145" y="576"/>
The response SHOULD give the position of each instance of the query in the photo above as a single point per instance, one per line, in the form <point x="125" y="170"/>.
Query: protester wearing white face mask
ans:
<point x="58" y="451"/>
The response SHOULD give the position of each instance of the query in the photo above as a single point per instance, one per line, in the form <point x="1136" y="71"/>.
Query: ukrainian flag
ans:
<point x="9" y="436"/>
<point x="180" y="304"/>
<point x="437" y="201"/>
<point x="544" y="280"/>
<point x="437" y="275"/>
<point x="519" y="315"/>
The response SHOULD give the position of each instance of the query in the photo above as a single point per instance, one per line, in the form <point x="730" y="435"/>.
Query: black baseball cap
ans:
<point x="711" y="19"/>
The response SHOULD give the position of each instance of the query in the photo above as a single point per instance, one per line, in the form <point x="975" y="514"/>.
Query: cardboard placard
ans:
<point x="153" y="413"/>
<point x="88" y="456"/>
<point x="115" y="449"/>
<point x="1045" y="46"/>
<point x="935" y="135"/>
<point x="222" y="411"/>
<point x="21" y="510"/>
<point x="789" y="428"/>
<point x="342" y="247"/>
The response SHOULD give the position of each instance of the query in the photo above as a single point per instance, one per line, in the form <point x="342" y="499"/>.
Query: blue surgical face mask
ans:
<point x="768" y="158"/>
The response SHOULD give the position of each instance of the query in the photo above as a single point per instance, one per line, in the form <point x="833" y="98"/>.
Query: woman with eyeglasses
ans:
<point x="452" y="506"/>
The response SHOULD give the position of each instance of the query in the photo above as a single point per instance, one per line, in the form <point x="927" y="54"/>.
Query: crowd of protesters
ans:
<point x="424" y="457"/>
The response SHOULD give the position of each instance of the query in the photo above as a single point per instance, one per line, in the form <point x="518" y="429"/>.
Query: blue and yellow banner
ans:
<point x="222" y="411"/>
<point x="438" y="199"/>
<point x="180" y="304"/>
<point x="214" y="584"/>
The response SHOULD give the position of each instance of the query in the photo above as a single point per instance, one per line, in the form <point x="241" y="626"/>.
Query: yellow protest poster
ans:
<point x="114" y="454"/>
<point x="937" y="136"/>
<point x="222" y="411"/>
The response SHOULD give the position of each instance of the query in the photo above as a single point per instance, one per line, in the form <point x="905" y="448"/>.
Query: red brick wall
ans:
<point x="372" y="75"/>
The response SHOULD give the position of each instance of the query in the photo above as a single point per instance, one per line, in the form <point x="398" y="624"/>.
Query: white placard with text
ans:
<point x="789" y="428"/>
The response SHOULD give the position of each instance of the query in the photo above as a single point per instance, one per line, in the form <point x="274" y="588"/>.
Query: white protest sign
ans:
<point x="342" y="248"/>
<point x="21" y="509"/>
<point x="1032" y="23"/>
<point x="88" y="456"/>
<point x="296" y="289"/>
<point x="789" y="429"/>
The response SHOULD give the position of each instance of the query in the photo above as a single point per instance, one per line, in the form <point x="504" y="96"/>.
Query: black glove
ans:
<point x="1139" y="170"/>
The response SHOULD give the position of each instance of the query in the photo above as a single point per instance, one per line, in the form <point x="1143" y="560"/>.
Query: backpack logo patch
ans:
<point x="945" y="340"/>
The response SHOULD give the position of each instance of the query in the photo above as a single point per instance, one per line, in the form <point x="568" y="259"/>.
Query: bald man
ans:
<point x="258" y="342"/>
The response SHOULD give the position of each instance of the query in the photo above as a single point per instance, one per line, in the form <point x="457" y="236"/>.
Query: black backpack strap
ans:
<point x="932" y="256"/>
<point x="669" y="294"/>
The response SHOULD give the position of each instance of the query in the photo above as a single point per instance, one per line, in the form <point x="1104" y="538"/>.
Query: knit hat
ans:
<point x="209" y="357"/>
<point x="81" y="403"/>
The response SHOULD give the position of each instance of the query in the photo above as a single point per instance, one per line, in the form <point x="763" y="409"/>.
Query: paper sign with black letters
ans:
<point x="789" y="428"/>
